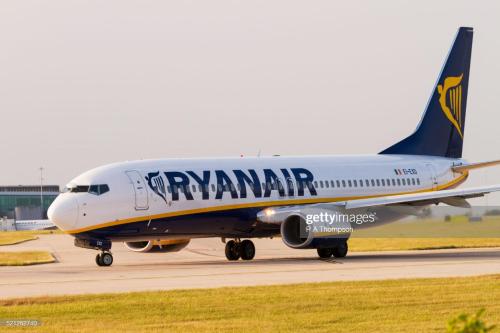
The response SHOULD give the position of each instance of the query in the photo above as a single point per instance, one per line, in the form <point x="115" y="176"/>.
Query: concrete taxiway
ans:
<point x="202" y="265"/>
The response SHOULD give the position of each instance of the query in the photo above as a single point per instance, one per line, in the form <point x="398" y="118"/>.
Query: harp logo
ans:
<point x="155" y="183"/>
<point x="450" y="99"/>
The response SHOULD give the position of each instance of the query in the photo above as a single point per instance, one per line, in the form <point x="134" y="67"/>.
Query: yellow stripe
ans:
<point x="455" y="181"/>
<point x="460" y="105"/>
<point x="452" y="100"/>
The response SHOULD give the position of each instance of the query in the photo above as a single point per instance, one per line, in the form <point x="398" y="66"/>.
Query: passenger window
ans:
<point x="378" y="182"/>
<point x="399" y="182"/>
<point x="383" y="182"/>
<point x="343" y="183"/>
<point x="321" y="183"/>
<point x="413" y="181"/>
<point x="418" y="181"/>
<point x="194" y="188"/>
<point x="316" y="184"/>
<point x="373" y="183"/>
<point x="367" y="183"/>
<point x="338" y="183"/>
<point x="393" y="182"/>
<point x="361" y="183"/>
<point x="355" y="182"/>
<point x="327" y="184"/>
<point x="388" y="182"/>
<point x="169" y="189"/>
<point x="403" y="181"/>
<point x="213" y="187"/>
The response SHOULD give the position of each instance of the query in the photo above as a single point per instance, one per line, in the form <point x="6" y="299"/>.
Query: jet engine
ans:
<point x="167" y="245"/>
<point x="298" y="234"/>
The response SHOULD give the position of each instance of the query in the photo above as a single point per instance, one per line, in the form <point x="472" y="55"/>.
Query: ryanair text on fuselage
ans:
<point x="179" y="183"/>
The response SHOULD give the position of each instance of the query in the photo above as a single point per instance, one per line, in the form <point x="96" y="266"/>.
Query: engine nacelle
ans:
<point x="167" y="245"/>
<point x="297" y="234"/>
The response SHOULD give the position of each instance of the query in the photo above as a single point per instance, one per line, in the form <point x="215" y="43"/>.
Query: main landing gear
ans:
<point x="104" y="258"/>
<point x="240" y="249"/>
<point x="339" y="251"/>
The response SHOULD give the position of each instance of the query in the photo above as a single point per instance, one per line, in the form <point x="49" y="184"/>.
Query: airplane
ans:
<point x="34" y="225"/>
<point x="162" y="204"/>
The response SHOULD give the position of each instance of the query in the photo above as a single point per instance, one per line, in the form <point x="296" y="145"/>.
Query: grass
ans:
<point x="458" y="227"/>
<point x="414" y="305"/>
<point x="428" y="234"/>
<point x="16" y="237"/>
<point x="400" y="244"/>
<point x="24" y="258"/>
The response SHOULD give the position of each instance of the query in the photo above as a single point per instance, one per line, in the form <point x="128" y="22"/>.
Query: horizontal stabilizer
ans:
<point x="471" y="166"/>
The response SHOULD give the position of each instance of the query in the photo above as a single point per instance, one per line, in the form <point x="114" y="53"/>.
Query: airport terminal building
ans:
<point x="23" y="202"/>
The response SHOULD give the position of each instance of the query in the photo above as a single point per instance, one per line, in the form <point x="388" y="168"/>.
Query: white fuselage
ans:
<point x="150" y="190"/>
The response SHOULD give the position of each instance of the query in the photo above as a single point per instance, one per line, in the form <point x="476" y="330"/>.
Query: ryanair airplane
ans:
<point x="161" y="204"/>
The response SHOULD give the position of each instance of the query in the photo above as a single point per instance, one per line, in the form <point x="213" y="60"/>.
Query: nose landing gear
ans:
<point x="104" y="258"/>
<point x="236" y="249"/>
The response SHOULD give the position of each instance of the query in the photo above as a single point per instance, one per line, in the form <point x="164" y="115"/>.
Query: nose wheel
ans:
<point x="104" y="259"/>
<point x="236" y="250"/>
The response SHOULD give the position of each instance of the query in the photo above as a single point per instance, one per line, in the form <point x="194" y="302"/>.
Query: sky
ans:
<point x="86" y="83"/>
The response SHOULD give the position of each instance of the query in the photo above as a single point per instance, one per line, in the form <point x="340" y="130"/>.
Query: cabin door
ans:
<point x="433" y="176"/>
<point x="140" y="190"/>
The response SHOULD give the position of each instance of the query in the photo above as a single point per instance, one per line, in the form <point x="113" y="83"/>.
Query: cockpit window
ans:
<point x="92" y="189"/>
<point x="98" y="189"/>
<point x="78" y="188"/>
<point x="103" y="188"/>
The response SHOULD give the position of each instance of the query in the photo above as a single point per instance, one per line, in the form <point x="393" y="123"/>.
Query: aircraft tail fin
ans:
<point x="441" y="129"/>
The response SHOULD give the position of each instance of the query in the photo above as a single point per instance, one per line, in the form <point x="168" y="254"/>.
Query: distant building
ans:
<point x="23" y="202"/>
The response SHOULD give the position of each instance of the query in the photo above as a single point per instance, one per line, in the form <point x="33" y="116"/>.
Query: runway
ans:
<point x="203" y="265"/>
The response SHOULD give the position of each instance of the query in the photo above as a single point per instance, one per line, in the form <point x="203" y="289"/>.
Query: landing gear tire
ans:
<point x="325" y="253"/>
<point x="104" y="259"/>
<point x="247" y="250"/>
<point x="98" y="259"/>
<point x="340" y="251"/>
<point x="232" y="250"/>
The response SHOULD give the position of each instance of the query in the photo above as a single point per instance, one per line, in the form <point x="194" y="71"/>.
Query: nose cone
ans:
<point x="64" y="212"/>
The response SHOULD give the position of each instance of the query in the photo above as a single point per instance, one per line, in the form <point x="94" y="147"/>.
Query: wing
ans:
<point x="431" y="197"/>
<point x="455" y="197"/>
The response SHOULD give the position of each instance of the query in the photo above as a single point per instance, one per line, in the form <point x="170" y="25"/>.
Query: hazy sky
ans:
<point x="85" y="83"/>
